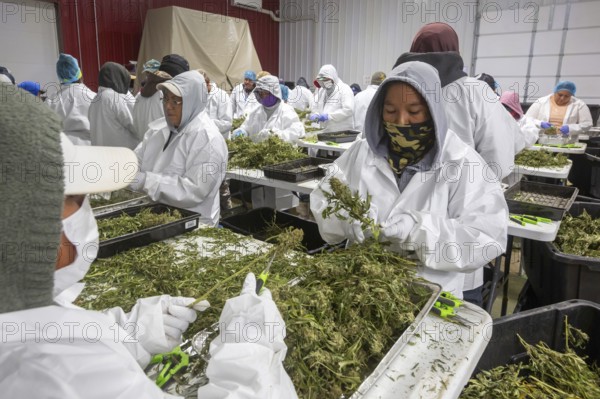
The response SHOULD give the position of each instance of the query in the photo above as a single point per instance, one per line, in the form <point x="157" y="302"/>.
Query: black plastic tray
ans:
<point x="256" y="222"/>
<point x="188" y="222"/>
<point x="343" y="136"/>
<point x="555" y="276"/>
<point x="550" y="200"/>
<point x="543" y="324"/>
<point x="298" y="170"/>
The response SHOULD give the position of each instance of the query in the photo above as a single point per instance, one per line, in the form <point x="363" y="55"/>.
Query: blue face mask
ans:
<point x="268" y="101"/>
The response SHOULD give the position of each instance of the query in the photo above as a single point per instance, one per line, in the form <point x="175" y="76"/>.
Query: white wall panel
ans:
<point x="360" y="37"/>
<point x="580" y="65"/>
<point x="547" y="42"/>
<point x="583" y="40"/>
<point x="544" y="66"/>
<point x="502" y="66"/>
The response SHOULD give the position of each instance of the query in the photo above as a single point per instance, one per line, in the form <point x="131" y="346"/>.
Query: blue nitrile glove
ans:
<point x="323" y="118"/>
<point x="545" y="125"/>
<point x="313" y="117"/>
<point x="564" y="129"/>
<point x="240" y="133"/>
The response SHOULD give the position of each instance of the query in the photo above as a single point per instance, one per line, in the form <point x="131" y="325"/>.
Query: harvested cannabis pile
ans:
<point x="237" y="122"/>
<point x="346" y="205"/>
<point x="551" y="131"/>
<point x="548" y="374"/>
<point x="346" y="312"/>
<point x="579" y="235"/>
<point x="126" y="224"/>
<point x="541" y="159"/>
<point x="250" y="155"/>
<point x="97" y="200"/>
<point x="302" y="115"/>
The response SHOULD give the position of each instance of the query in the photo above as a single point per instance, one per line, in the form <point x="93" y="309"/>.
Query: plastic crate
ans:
<point x="256" y="222"/>
<point x="543" y="324"/>
<point x="188" y="222"/>
<point x="547" y="200"/>
<point x="593" y="158"/>
<point x="298" y="170"/>
<point x="555" y="276"/>
<point x="343" y="136"/>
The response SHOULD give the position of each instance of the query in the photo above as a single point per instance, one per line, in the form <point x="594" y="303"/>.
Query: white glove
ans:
<point x="262" y="135"/>
<point x="354" y="231"/>
<point x="397" y="228"/>
<point x="138" y="182"/>
<point x="161" y="320"/>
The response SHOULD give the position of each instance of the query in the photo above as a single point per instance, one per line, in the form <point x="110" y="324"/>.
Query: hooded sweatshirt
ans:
<point x="280" y="119"/>
<point x="337" y="102"/>
<point x="452" y="213"/>
<point x="188" y="171"/>
<point x="111" y="122"/>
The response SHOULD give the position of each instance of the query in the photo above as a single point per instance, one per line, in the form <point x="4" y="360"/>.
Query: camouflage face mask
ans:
<point x="409" y="143"/>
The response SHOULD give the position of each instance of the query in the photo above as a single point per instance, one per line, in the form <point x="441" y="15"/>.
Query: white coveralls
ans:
<point x="188" y="172"/>
<point x="240" y="99"/>
<point x="301" y="98"/>
<point x="111" y="122"/>
<point x="361" y="104"/>
<point x="577" y="117"/>
<point x="460" y="217"/>
<point x="72" y="104"/>
<point x="337" y="102"/>
<point x="219" y="110"/>
<point x="146" y="110"/>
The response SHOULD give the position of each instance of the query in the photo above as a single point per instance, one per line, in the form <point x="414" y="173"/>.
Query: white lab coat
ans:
<point x="284" y="122"/>
<point x="219" y="110"/>
<point x="111" y="123"/>
<point x="460" y="217"/>
<point x="301" y="98"/>
<point x="480" y="120"/>
<point x="338" y="103"/>
<point x="577" y="117"/>
<point x="240" y="99"/>
<point x="72" y="104"/>
<point x="146" y="110"/>
<point x="74" y="353"/>
<point x="529" y="133"/>
<point x="361" y="104"/>
<point x="189" y="172"/>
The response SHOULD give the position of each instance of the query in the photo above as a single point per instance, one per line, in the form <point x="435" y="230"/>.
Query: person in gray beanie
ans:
<point x="71" y="352"/>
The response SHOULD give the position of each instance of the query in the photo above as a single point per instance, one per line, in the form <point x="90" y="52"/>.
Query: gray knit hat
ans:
<point x="31" y="191"/>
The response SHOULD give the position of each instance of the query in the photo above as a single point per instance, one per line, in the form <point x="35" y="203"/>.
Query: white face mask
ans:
<point x="82" y="231"/>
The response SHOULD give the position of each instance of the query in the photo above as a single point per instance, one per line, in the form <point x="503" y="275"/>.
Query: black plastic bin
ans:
<point x="342" y="136"/>
<point x="555" y="276"/>
<point x="298" y="170"/>
<point x="544" y="324"/>
<point x="188" y="222"/>
<point x="593" y="158"/>
<point x="256" y="222"/>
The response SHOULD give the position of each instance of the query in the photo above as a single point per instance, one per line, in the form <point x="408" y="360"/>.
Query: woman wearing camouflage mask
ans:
<point x="429" y="192"/>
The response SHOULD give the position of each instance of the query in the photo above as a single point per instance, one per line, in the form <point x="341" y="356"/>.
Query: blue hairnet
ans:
<point x="285" y="92"/>
<point x="67" y="68"/>
<point x="30" y="86"/>
<point x="250" y="75"/>
<point x="566" y="85"/>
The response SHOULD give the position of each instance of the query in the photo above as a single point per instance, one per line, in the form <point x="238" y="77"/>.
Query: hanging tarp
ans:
<point x="220" y="45"/>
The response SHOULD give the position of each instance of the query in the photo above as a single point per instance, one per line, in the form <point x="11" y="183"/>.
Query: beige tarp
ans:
<point x="220" y="45"/>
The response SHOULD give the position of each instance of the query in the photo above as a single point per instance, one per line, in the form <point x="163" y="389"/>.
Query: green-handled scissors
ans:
<point x="261" y="280"/>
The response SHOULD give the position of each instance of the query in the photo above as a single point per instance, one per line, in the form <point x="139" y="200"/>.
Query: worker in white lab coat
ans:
<point x="183" y="158"/>
<point x="428" y="189"/>
<point x="334" y="101"/>
<point x="96" y="357"/>
<point x="363" y="99"/>
<point x="473" y="112"/>
<point x="72" y="101"/>
<point x="562" y="109"/>
<point x="273" y="117"/>
<point x="148" y="103"/>
<point x="111" y="122"/>
<point x="529" y="131"/>
<point x="301" y="98"/>
<point x="240" y="95"/>
<point x="219" y="107"/>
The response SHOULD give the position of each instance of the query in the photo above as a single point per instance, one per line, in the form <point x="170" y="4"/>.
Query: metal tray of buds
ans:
<point x="539" y="199"/>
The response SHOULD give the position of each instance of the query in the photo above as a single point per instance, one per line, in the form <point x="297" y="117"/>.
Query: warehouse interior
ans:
<point x="300" y="198"/>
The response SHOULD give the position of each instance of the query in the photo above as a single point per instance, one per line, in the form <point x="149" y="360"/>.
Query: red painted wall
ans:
<point x="119" y="25"/>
